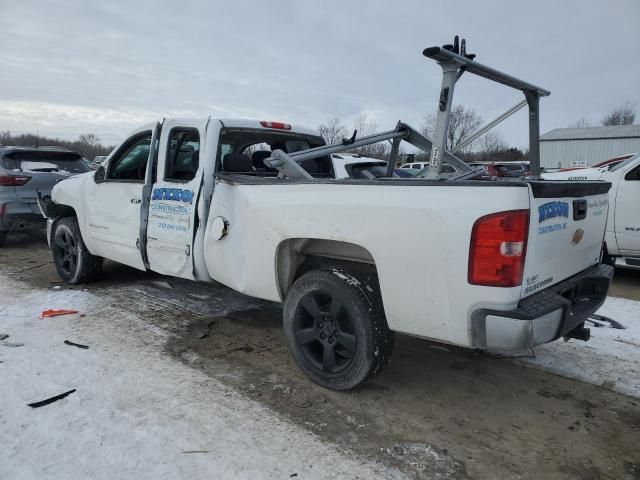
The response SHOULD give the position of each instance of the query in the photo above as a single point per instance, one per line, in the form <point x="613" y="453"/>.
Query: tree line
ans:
<point x="462" y="123"/>
<point x="88" y="144"/>
<point x="624" y="114"/>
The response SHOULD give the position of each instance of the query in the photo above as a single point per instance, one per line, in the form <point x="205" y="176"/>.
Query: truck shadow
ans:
<point x="473" y="410"/>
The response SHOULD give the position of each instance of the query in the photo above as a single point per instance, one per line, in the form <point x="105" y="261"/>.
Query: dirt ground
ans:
<point x="436" y="411"/>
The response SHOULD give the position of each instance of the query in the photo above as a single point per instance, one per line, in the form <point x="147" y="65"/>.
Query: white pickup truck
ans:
<point x="499" y="266"/>
<point x="622" y="238"/>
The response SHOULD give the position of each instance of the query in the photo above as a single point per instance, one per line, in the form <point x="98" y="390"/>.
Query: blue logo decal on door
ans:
<point x="173" y="194"/>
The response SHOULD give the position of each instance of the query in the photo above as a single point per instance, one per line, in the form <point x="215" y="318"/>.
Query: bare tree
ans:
<point x="88" y="139"/>
<point x="492" y="142"/>
<point x="462" y="123"/>
<point x="332" y="131"/>
<point x="5" y="135"/>
<point x="582" y="123"/>
<point x="366" y="126"/>
<point x="622" y="115"/>
<point x="88" y="145"/>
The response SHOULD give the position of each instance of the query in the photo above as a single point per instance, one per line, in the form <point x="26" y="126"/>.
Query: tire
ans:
<point x="70" y="255"/>
<point x="3" y="238"/>
<point x="336" y="329"/>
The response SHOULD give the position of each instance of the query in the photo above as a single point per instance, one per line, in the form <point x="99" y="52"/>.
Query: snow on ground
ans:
<point x="137" y="412"/>
<point x="611" y="358"/>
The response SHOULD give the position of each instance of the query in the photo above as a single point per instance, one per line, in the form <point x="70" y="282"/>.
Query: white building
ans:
<point x="583" y="147"/>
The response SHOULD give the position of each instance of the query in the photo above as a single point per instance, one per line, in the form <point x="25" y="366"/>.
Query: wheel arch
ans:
<point x="296" y="256"/>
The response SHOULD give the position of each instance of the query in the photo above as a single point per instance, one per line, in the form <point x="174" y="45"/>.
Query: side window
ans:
<point x="131" y="164"/>
<point x="183" y="155"/>
<point x="633" y="174"/>
<point x="416" y="166"/>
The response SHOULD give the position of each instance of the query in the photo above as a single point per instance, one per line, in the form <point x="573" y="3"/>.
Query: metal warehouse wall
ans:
<point x="560" y="153"/>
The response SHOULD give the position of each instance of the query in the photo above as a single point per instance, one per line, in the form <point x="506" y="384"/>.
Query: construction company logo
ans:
<point x="552" y="210"/>
<point x="173" y="194"/>
<point x="577" y="236"/>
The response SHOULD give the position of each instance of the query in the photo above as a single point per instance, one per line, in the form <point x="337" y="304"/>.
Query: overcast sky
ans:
<point x="69" y="67"/>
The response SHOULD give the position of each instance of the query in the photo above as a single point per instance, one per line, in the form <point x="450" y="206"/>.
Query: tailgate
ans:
<point x="566" y="231"/>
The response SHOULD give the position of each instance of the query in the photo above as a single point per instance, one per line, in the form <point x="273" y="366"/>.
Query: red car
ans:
<point x="607" y="163"/>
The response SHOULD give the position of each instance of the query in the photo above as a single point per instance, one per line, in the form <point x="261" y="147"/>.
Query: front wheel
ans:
<point x="70" y="255"/>
<point x="336" y="329"/>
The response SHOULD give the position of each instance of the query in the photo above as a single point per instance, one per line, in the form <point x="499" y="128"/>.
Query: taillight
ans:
<point x="13" y="180"/>
<point x="278" y="125"/>
<point x="498" y="249"/>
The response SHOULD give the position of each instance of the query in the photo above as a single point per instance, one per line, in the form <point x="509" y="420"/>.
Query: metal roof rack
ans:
<point x="454" y="61"/>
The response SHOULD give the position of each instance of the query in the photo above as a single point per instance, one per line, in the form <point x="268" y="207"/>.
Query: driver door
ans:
<point x="174" y="198"/>
<point x="114" y="207"/>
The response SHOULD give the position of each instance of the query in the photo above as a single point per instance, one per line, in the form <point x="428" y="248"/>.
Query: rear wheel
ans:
<point x="70" y="255"/>
<point x="3" y="238"/>
<point x="336" y="329"/>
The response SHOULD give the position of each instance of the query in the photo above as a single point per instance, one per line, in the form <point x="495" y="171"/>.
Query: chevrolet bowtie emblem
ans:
<point x="577" y="236"/>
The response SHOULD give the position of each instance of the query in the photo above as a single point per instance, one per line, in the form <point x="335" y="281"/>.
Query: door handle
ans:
<point x="136" y="200"/>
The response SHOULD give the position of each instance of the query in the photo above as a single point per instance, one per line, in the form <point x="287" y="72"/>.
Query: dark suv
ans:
<point x="25" y="171"/>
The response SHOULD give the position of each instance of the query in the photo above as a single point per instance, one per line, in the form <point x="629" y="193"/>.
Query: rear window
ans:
<point x="623" y="163"/>
<point x="44" y="162"/>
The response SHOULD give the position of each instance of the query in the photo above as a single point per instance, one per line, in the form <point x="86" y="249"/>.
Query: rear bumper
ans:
<point x="545" y="316"/>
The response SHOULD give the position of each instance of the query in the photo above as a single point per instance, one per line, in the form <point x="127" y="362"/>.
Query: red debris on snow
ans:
<point x="55" y="313"/>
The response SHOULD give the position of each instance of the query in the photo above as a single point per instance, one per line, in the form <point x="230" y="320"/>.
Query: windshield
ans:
<point x="34" y="162"/>
<point x="624" y="163"/>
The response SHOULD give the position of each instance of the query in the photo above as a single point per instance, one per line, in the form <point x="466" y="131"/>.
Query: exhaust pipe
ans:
<point x="579" y="333"/>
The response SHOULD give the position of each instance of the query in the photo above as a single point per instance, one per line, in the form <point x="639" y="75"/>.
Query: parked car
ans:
<point x="25" y="171"/>
<point x="352" y="165"/>
<point x="344" y="163"/>
<point x="606" y="165"/>
<point x="488" y="168"/>
<point x="448" y="170"/>
<point x="510" y="169"/>
<point x="97" y="161"/>
<point x="622" y="236"/>
<point x="415" y="165"/>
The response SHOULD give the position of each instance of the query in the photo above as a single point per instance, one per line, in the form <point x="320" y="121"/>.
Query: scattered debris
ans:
<point x="628" y="342"/>
<point x="10" y="344"/>
<point x="73" y="344"/>
<point x="293" y="475"/>
<point x="600" y="321"/>
<point x="55" y="313"/>
<point x="201" y="329"/>
<point x="3" y="336"/>
<point x="56" y="287"/>
<point x="47" y="401"/>
<point x="195" y="451"/>
<point x="33" y="266"/>
<point x="163" y="284"/>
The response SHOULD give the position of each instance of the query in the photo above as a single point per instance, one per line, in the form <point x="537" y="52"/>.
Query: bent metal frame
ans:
<point x="454" y="61"/>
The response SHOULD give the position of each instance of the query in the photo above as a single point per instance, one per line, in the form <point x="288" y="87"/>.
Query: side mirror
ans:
<point x="99" y="175"/>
